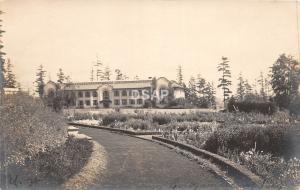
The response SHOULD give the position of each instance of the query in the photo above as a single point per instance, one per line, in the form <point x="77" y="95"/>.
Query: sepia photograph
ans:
<point x="149" y="94"/>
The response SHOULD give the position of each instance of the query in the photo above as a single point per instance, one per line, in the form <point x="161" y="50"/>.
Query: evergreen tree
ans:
<point x="268" y="87"/>
<point x="261" y="82"/>
<point x="210" y="94"/>
<point x="61" y="77"/>
<point x="248" y="88"/>
<point x="241" y="89"/>
<point x="68" y="79"/>
<point x="179" y="75"/>
<point x="92" y="75"/>
<point x="2" y="61"/>
<point x="119" y="75"/>
<point x="200" y="85"/>
<point x="224" y="81"/>
<point x="106" y="74"/>
<point x="192" y="91"/>
<point x="40" y="80"/>
<point x="10" y="77"/>
<point x="285" y="80"/>
<point x="99" y="70"/>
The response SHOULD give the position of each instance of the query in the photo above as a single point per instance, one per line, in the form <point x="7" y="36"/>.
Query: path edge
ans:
<point x="94" y="168"/>
<point x="242" y="176"/>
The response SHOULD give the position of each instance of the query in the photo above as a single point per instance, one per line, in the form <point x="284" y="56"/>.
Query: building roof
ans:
<point x="122" y="84"/>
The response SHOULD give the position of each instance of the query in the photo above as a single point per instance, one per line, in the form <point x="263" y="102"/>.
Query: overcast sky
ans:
<point x="147" y="38"/>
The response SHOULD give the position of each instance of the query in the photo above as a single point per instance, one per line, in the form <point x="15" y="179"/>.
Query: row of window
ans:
<point x="131" y="102"/>
<point x="129" y="92"/>
<point x="88" y="103"/>
<point x="87" y="94"/>
<point x="105" y="93"/>
<point x="116" y="102"/>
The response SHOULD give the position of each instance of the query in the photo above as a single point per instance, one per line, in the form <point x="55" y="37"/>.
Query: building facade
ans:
<point x="118" y="94"/>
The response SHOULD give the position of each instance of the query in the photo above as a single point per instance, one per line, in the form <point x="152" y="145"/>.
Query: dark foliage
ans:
<point x="114" y="117"/>
<point x="247" y="106"/>
<point x="60" y="163"/>
<point x="162" y="119"/>
<point x="278" y="140"/>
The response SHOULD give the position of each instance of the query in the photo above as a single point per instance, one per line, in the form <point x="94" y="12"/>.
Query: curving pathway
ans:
<point x="134" y="163"/>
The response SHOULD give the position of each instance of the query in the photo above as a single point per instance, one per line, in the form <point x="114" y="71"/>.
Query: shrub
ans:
<point x="275" y="171"/>
<point x="294" y="106"/>
<point x="56" y="164"/>
<point x="138" y="124"/>
<point x="162" y="119"/>
<point x="177" y="103"/>
<point x="279" y="140"/>
<point x="247" y="106"/>
<point x="114" y="117"/>
<point x="28" y="127"/>
<point x="194" y="133"/>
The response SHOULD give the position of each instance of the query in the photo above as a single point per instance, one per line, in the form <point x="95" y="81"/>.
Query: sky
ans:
<point x="147" y="37"/>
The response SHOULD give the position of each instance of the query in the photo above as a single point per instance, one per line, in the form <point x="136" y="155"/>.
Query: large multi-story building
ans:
<point x="115" y="94"/>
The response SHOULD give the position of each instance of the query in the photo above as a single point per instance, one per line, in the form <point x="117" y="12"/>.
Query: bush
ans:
<point x="113" y="117"/>
<point x="162" y="119"/>
<point x="53" y="165"/>
<point x="138" y="124"/>
<point x="28" y="127"/>
<point x="194" y="133"/>
<point x="177" y="103"/>
<point x="295" y="106"/>
<point x="276" y="172"/>
<point x="247" y="106"/>
<point x="279" y="140"/>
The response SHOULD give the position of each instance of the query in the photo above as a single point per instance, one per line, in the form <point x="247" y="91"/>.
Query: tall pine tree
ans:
<point x="10" y="77"/>
<point x="200" y="85"/>
<point x="99" y="70"/>
<point x="179" y="75"/>
<point x="2" y="61"/>
<point x="40" y="81"/>
<point x="60" y="76"/>
<point x="192" y="91"/>
<point x="241" y="89"/>
<point x="210" y="94"/>
<point x="261" y="82"/>
<point x="224" y="80"/>
<point x="106" y="74"/>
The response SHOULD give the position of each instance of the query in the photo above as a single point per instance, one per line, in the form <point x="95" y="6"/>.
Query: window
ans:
<point x="105" y="95"/>
<point x="124" y="102"/>
<point x="87" y="102"/>
<point x="117" y="102"/>
<point x="80" y="94"/>
<point x="139" y="101"/>
<point x="140" y="92"/>
<point x="87" y="94"/>
<point x="130" y="93"/>
<point x="95" y="94"/>
<point x="95" y="102"/>
<point x="81" y="103"/>
<point x="116" y="93"/>
<point x="132" y="101"/>
<point x="124" y="93"/>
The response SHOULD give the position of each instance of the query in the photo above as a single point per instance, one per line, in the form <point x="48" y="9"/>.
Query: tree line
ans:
<point x="280" y="86"/>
